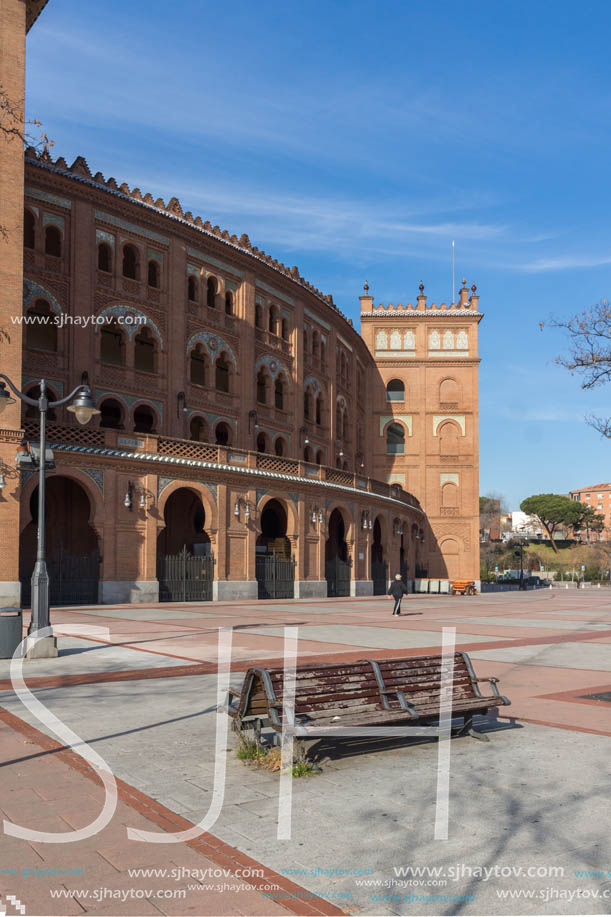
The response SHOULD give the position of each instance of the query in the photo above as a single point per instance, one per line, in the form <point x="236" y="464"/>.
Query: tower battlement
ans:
<point x="464" y="302"/>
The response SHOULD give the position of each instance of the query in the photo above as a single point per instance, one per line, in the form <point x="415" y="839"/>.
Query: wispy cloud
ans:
<point x="564" y="263"/>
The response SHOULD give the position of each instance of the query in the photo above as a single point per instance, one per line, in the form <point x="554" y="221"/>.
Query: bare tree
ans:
<point x="13" y="129"/>
<point x="589" y="355"/>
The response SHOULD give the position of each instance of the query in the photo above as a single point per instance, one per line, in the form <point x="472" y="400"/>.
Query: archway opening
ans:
<point x="185" y="565"/>
<point x="144" y="419"/>
<point x="222" y="434"/>
<point x="72" y="545"/>
<point x="379" y="567"/>
<point x="337" y="562"/>
<point x="275" y="569"/>
<point x="272" y="539"/>
<point x="198" y="430"/>
<point x="111" y="414"/>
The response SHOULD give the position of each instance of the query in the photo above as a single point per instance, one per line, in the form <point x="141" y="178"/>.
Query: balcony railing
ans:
<point x="60" y="434"/>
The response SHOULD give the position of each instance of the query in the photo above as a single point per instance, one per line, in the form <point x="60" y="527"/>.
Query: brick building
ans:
<point x="598" y="496"/>
<point x="250" y="442"/>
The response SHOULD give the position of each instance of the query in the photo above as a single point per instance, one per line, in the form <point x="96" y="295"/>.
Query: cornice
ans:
<point x="154" y="458"/>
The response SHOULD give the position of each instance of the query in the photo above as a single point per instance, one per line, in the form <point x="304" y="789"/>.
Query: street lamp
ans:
<point x="83" y="408"/>
<point x="521" y="549"/>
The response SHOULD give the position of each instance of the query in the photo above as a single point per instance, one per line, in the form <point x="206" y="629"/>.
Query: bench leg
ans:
<point x="469" y="730"/>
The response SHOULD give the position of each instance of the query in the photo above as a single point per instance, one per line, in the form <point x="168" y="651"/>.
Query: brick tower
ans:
<point x="424" y="421"/>
<point x="16" y="18"/>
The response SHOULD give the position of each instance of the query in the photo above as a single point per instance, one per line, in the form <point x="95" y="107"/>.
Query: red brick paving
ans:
<point x="58" y="791"/>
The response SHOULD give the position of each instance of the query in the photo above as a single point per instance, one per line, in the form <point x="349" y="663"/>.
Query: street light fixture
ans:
<point x="521" y="550"/>
<point x="81" y="405"/>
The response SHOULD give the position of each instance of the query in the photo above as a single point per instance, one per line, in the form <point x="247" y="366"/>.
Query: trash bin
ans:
<point x="10" y="631"/>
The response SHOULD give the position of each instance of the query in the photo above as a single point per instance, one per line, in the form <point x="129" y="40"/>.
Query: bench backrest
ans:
<point x="419" y="678"/>
<point x="319" y="690"/>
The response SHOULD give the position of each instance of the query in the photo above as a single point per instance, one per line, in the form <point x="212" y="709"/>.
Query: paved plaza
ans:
<point x="528" y="817"/>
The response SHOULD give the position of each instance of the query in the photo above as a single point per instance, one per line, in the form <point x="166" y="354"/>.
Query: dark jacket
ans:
<point x="397" y="589"/>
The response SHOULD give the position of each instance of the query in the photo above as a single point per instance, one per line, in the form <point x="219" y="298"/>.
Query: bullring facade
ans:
<point x="250" y="442"/>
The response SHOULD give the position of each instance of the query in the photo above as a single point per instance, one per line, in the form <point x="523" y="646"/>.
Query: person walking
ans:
<point x="397" y="591"/>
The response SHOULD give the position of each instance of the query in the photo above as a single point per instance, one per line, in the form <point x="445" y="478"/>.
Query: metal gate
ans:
<point x="185" y="578"/>
<point x="337" y="573"/>
<point x="73" y="579"/>
<point x="379" y="575"/>
<point x="275" y="576"/>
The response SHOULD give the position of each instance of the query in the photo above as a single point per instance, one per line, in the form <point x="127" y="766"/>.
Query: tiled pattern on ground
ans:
<point x="533" y="795"/>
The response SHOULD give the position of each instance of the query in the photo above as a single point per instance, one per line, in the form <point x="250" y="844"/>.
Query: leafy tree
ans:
<point x="589" y="356"/>
<point x="589" y="520"/>
<point x="552" y="511"/>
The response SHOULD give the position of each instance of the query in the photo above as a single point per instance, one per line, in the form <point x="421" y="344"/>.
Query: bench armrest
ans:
<point x="230" y="706"/>
<point x="492" y="681"/>
<point x="405" y="704"/>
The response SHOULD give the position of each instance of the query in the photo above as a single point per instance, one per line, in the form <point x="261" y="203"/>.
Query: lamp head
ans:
<point x="83" y="407"/>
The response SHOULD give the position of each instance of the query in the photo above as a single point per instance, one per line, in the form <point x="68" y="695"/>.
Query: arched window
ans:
<point x="395" y="439"/>
<point x="284" y="329"/>
<point x="280" y="446"/>
<point x="144" y="419"/>
<point x="323" y="350"/>
<point x="307" y="454"/>
<point x="154" y="273"/>
<point x="262" y="386"/>
<point x="111" y="414"/>
<point x="342" y="365"/>
<point x="222" y="434"/>
<point x="130" y="262"/>
<point x="319" y="408"/>
<point x="41" y="330"/>
<point x="448" y="439"/>
<point x="449" y="392"/>
<point x="319" y="457"/>
<point x="306" y="340"/>
<point x="449" y="495"/>
<point x="222" y="373"/>
<point x="279" y="393"/>
<point x="261" y="442"/>
<point x="228" y="303"/>
<point x="307" y="404"/>
<point x="339" y="418"/>
<point x="112" y="345"/>
<point x="198" y="430"/>
<point x="198" y="364"/>
<point x="192" y="289"/>
<point x="315" y="343"/>
<point x="53" y="241"/>
<point x="259" y="321"/>
<point x="395" y="390"/>
<point x="104" y="257"/>
<point x="29" y="229"/>
<point x="145" y="351"/>
<point x="211" y="288"/>
<point x="272" y="325"/>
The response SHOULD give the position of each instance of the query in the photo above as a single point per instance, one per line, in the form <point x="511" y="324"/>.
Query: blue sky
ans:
<point x="356" y="141"/>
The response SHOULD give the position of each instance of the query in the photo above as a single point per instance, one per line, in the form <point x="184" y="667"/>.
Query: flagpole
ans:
<point x="452" y="296"/>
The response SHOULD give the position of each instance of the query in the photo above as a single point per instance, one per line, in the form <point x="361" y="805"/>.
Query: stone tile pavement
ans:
<point x="534" y="798"/>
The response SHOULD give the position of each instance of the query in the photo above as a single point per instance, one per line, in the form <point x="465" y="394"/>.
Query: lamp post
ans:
<point x="521" y="550"/>
<point x="83" y="408"/>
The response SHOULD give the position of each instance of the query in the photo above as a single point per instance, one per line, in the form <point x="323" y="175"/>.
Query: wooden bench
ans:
<point x="366" y="693"/>
<point x="419" y="680"/>
<point x="463" y="587"/>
